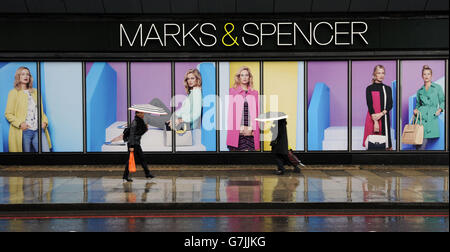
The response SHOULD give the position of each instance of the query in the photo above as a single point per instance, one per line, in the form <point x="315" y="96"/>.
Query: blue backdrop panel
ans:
<point x="224" y="89"/>
<point x="7" y="72"/>
<point x="62" y="99"/>
<point x="101" y="103"/>
<point x="1" y="139"/>
<point x="394" y="108"/>
<point x="208" y="72"/>
<point x="318" y="116"/>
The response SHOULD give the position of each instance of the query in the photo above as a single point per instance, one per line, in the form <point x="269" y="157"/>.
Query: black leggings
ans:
<point x="138" y="155"/>
<point x="281" y="160"/>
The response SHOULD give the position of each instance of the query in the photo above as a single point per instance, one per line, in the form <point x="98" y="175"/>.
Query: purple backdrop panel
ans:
<point x="334" y="74"/>
<point x="412" y="80"/>
<point x="361" y="78"/>
<point x="150" y="80"/>
<point x="180" y="70"/>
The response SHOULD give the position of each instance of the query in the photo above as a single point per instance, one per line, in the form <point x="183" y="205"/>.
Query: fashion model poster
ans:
<point x="18" y="107"/>
<point x="371" y="80"/>
<point x="239" y="84"/>
<point x="423" y="97"/>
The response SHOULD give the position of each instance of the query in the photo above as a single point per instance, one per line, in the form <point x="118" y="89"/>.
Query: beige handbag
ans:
<point x="413" y="132"/>
<point x="183" y="137"/>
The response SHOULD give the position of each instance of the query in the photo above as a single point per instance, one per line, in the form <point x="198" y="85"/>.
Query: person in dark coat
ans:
<point x="279" y="145"/>
<point x="279" y="139"/>
<point x="137" y="129"/>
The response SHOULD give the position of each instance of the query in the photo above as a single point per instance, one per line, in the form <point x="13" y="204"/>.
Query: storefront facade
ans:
<point x="314" y="66"/>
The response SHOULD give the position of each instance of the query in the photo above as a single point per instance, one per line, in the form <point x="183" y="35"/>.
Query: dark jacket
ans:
<point x="137" y="129"/>
<point x="279" y="137"/>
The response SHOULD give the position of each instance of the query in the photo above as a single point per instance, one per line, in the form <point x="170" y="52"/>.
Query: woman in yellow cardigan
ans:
<point x="21" y="112"/>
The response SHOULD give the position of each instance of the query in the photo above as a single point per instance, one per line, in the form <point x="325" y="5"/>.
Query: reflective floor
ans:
<point x="313" y="185"/>
<point x="230" y="224"/>
<point x="104" y="184"/>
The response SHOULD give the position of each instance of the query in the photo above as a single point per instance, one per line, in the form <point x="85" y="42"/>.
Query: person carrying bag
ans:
<point x="379" y="142"/>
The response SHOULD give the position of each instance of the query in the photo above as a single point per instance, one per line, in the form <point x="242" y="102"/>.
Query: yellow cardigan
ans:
<point x="16" y="113"/>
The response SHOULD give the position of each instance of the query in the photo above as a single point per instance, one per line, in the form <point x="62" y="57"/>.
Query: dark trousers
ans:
<point x="281" y="160"/>
<point x="138" y="155"/>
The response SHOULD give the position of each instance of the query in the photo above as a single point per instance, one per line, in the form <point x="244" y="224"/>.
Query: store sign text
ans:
<point x="251" y="34"/>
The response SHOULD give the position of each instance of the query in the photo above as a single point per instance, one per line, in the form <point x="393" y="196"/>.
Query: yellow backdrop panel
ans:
<point x="280" y="82"/>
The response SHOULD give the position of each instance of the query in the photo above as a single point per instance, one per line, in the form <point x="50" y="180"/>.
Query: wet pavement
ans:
<point x="173" y="198"/>
<point x="105" y="185"/>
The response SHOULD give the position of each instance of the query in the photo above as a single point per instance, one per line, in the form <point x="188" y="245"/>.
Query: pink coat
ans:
<point x="235" y="111"/>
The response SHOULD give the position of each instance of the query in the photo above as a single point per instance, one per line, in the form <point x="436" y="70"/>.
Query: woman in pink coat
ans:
<point x="243" y="109"/>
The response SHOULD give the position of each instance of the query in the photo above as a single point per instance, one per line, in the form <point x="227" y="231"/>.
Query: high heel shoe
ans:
<point x="127" y="179"/>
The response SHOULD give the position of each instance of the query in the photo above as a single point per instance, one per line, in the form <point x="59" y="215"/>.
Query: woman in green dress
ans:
<point x="430" y="102"/>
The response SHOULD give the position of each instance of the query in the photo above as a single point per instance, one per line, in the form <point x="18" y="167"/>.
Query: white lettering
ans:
<point x="208" y="34"/>
<point x="150" y="38"/>
<point x="279" y="33"/>
<point x="189" y="34"/>
<point x="315" y="28"/>
<point x="359" y="33"/>
<point x="336" y="33"/>
<point x="251" y="34"/>
<point x="138" y="32"/>
<point x="266" y="34"/>
<point x="166" y="34"/>
<point x="296" y="27"/>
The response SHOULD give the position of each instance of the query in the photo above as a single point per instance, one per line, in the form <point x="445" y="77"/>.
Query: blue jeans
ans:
<point x="30" y="141"/>
<point x="423" y="146"/>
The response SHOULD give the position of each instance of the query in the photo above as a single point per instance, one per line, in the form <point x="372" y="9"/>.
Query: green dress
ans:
<point x="428" y="102"/>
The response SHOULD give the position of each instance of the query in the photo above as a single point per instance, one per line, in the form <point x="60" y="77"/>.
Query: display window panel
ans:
<point x="374" y="105"/>
<point x="423" y="102"/>
<point x="194" y="119"/>
<point x="239" y="90"/>
<point x="327" y="106"/>
<point x="106" y="105"/>
<point x="19" y="108"/>
<point x="284" y="92"/>
<point x="62" y="99"/>
<point x="151" y="83"/>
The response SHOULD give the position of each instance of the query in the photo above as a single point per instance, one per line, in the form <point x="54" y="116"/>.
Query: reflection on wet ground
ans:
<point x="229" y="224"/>
<point x="346" y="185"/>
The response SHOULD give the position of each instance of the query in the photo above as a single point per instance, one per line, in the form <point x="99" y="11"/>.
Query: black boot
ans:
<point x="127" y="179"/>
<point x="279" y="172"/>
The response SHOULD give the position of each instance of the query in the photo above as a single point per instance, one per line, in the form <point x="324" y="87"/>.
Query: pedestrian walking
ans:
<point x="279" y="141"/>
<point x="132" y="135"/>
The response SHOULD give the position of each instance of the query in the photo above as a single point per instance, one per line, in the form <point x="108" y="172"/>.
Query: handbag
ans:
<point x="183" y="137"/>
<point x="293" y="159"/>
<point x="131" y="163"/>
<point x="413" y="132"/>
<point x="379" y="142"/>
<point x="376" y="142"/>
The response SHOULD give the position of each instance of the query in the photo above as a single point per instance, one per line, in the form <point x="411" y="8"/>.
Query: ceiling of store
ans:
<point x="217" y="6"/>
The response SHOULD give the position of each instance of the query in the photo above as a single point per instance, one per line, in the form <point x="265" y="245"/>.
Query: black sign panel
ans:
<point x="259" y="34"/>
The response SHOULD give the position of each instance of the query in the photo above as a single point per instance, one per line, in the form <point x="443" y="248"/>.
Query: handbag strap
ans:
<point x="419" y="115"/>
<point x="385" y="119"/>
